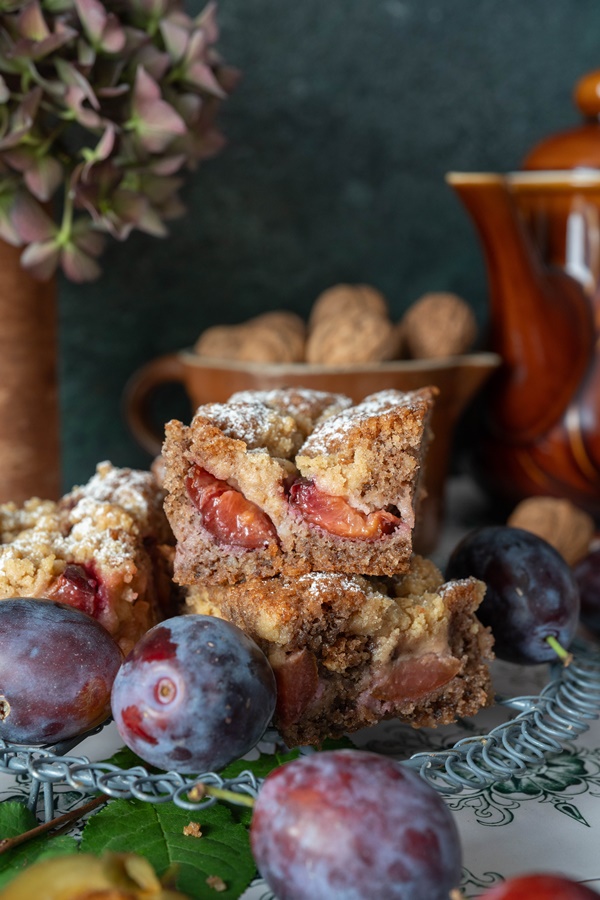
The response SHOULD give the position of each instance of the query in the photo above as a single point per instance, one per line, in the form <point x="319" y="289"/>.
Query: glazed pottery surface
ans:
<point x="540" y="233"/>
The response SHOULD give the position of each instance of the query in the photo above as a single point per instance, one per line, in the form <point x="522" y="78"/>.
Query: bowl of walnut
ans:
<point x="349" y="345"/>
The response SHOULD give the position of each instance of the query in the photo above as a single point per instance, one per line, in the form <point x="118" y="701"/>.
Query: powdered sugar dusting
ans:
<point x="318" y="583"/>
<point x="103" y="521"/>
<point x="251" y="422"/>
<point x="375" y="405"/>
<point x="303" y="404"/>
<point x="133" y="490"/>
<point x="289" y="396"/>
<point x="113" y="528"/>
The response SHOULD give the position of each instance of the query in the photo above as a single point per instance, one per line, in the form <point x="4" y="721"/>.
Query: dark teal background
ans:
<point x="348" y="115"/>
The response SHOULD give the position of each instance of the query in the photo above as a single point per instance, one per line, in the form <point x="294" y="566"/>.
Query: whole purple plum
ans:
<point x="194" y="694"/>
<point x="540" y="886"/>
<point x="531" y="595"/>
<point x="57" y="666"/>
<point x="351" y="824"/>
<point x="587" y="576"/>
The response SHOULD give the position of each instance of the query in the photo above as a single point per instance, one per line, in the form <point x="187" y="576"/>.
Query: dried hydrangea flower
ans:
<point x="109" y="102"/>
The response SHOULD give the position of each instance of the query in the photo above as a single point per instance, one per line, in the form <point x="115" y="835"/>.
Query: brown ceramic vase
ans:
<point x="29" y="409"/>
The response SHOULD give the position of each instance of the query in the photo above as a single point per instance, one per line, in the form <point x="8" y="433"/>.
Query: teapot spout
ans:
<point x="541" y="322"/>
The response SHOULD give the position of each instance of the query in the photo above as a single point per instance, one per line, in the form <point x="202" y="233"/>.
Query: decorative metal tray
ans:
<point x="538" y="728"/>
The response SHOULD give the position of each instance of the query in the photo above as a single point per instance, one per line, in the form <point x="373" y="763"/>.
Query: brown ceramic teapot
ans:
<point x="540" y="232"/>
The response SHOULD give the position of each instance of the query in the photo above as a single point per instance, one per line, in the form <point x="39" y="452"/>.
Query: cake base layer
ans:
<point x="349" y="651"/>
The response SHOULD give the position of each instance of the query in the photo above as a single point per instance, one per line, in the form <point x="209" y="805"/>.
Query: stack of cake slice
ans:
<point x="293" y="512"/>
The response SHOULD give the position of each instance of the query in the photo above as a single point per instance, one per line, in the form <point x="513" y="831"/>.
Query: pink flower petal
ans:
<point x="157" y="125"/>
<point x="92" y="243"/>
<point x="207" y="20"/>
<point x="78" y="266"/>
<point x="113" y="36"/>
<point x="105" y="145"/>
<point x="151" y="223"/>
<point x="41" y="259"/>
<point x="168" y="165"/>
<point x="31" y="23"/>
<point x="8" y="231"/>
<point x="176" y="39"/>
<point x="44" y="177"/>
<point x="155" y="63"/>
<point x="202" y="77"/>
<point x="72" y="77"/>
<point x="145" y="88"/>
<point x="19" y="159"/>
<point x="93" y="16"/>
<point x="29" y="219"/>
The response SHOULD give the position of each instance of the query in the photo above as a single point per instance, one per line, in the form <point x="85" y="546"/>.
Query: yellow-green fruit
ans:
<point x="114" y="876"/>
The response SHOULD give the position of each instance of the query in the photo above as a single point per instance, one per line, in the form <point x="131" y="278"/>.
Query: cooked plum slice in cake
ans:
<point x="105" y="548"/>
<point x="294" y="481"/>
<point x="348" y="651"/>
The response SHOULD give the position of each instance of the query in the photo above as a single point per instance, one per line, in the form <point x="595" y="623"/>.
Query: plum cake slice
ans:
<point x="348" y="651"/>
<point x="294" y="481"/>
<point x="105" y="548"/>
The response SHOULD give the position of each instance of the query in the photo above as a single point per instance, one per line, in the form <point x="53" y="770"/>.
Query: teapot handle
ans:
<point x="139" y="393"/>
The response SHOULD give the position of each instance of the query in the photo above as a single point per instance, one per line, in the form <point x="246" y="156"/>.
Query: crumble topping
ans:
<point x="104" y="547"/>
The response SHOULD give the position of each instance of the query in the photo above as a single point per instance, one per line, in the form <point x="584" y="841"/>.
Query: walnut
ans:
<point x="438" y="325"/>
<point x="192" y="830"/>
<point x="275" y="337"/>
<point x="344" y="299"/>
<point x="280" y="329"/>
<point x="351" y="340"/>
<point x="567" y="527"/>
<point x="220" y="342"/>
<point x="349" y="325"/>
<point x="281" y="320"/>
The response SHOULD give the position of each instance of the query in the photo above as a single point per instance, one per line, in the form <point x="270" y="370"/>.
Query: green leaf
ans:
<point x="15" y="819"/>
<point x="260" y="767"/>
<point x="342" y="743"/>
<point x="155" y="831"/>
<point x="127" y="759"/>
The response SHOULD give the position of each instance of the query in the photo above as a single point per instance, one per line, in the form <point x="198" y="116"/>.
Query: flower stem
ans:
<point x="67" y="220"/>
<point x="560" y="651"/>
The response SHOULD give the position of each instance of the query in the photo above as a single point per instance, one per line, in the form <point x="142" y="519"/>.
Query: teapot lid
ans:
<point x="575" y="147"/>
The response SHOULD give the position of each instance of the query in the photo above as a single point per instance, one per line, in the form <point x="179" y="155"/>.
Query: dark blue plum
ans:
<point x="531" y="592"/>
<point x="587" y="576"/>
<point x="57" y="666"/>
<point x="351" y="824"/>
<point x="194" y="694"/>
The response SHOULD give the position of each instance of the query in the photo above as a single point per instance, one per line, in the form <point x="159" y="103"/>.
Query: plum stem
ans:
<point x="66" y="819"/>
<point x="560" y="651"/>
<point x="200" y="790"/>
